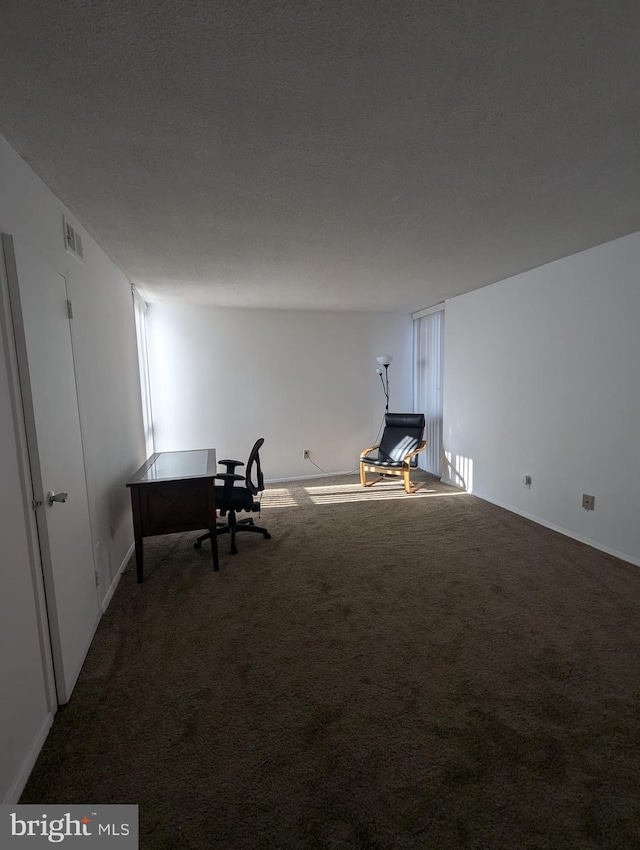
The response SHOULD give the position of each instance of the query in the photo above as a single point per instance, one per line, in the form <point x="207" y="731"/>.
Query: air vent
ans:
<point x="72" y="240"/>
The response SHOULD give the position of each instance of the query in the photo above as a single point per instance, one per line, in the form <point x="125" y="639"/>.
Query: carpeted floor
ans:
<point x="387" y="671"/>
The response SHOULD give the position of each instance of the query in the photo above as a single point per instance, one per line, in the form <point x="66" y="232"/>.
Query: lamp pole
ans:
<point x="386" y="389"/>
<point x="385" y="360"/>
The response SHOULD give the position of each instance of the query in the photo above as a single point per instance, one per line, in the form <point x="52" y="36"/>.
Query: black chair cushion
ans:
<point x="376" y="460"/>
<point x="240" y="499"/>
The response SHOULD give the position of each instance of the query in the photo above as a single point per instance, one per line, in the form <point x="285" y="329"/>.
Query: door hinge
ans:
<point x="36" y="503"/>
<point x="70" y="308"/>
<point x="97" y="575"/>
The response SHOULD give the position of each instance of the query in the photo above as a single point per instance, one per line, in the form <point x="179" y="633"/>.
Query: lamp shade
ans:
<point x="384" y="359"/>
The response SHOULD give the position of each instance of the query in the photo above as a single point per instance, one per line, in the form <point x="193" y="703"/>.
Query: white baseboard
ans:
<point x="313" y="475"/>
<point x="623" y="556"/>
<point x="13" y="794"/>
<point x="112" y="589"/>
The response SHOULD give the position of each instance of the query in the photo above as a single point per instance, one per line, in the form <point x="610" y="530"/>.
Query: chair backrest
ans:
<point x="256" y="486"/>
<point x="403" y="432"/>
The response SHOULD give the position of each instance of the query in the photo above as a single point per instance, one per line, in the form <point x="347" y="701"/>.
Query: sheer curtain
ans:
<point x="428" y="347"/>
<point x="139" y="309"/>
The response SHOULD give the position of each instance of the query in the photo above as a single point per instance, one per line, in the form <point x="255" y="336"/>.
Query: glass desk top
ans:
<point x="173" y="466"/>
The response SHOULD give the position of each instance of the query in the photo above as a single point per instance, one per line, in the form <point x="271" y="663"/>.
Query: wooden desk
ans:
<point x="173" y="492"/>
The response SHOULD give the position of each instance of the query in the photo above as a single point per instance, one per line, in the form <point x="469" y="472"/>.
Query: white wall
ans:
<point x="108" y="392"/>
<point x="542" y="378"/>
<point x="300" y="379"/>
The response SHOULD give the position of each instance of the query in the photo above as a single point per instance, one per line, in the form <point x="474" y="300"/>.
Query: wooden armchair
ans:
<point x="402" y="440"/>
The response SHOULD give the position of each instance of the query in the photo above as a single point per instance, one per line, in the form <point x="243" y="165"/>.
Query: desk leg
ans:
<point x="214" y="549"/>
<point x="137" y="531"/>
<point x="212" y="524"/>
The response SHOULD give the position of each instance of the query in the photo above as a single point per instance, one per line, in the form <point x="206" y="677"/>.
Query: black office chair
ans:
<point x="402" y="440"/>
<point x="231" y="499"/>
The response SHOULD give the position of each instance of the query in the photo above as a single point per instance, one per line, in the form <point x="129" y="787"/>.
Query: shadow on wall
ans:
<point x="459" y="470"/>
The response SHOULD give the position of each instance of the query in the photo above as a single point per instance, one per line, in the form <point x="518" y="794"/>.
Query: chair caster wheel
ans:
<point x="266" y="535"/>
<point x="197" y="545"/>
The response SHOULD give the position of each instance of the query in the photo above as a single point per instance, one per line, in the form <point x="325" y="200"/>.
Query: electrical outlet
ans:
<point x="588" y="502"/>
<point x="306" y="454"/>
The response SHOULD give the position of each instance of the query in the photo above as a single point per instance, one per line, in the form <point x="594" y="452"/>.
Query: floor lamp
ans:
<point x="384" y="360"/>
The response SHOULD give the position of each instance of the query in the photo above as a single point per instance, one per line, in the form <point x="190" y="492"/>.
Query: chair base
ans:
<point x="232" y="528"/>
<point x="409" y="486"/>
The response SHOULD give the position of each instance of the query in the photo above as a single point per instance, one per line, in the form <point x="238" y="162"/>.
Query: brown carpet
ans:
<point x="387" y="671"/>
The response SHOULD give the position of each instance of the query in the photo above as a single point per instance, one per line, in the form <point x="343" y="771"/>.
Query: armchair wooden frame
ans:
<point x="404" y="469"/>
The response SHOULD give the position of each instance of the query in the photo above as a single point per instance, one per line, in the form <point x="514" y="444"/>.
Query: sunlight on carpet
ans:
<point x="332" y="494"/>
<point x="280" y="497"/>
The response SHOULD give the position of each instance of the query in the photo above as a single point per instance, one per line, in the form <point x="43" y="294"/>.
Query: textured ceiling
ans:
<point x="329" y="154"/>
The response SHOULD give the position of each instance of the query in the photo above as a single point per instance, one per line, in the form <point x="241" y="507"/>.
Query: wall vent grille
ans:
<point x="72" y="240"/>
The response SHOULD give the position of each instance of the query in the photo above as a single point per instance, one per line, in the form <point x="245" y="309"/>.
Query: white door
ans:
<point x="40" y="316"/>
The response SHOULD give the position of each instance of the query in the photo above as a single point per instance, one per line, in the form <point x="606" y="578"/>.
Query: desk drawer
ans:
<point x="168" y="507"/>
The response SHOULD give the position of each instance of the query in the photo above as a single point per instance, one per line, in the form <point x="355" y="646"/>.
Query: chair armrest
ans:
<point x="229" y="476"/>
<point x="229" y="480"/>
<point x="421" y="448"/>
<point x="370" y="449"/>
<point x="231" y="464"/>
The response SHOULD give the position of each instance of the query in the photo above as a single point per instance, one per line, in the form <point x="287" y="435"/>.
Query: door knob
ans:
<point x="56" y="497"/>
